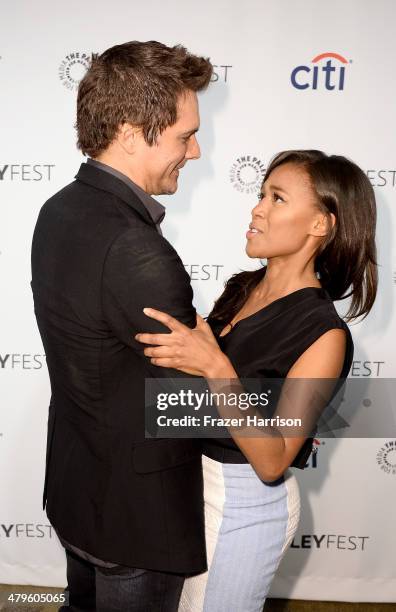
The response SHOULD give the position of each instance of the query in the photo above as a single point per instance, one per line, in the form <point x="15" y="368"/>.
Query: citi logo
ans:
<point x="313" y="458"/>
<point x="327" y="71"/>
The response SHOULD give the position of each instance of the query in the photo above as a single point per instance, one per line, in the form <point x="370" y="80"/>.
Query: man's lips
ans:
<point x="176" y="170"/>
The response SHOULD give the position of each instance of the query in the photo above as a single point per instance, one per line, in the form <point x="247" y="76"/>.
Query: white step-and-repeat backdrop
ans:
<point x="288" y="74"/>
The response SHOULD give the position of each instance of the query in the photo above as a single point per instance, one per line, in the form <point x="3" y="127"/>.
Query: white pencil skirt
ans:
<point x="249" y="526"/>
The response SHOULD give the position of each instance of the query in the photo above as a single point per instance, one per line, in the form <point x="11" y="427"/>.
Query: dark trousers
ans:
<point x="119" y="589"/>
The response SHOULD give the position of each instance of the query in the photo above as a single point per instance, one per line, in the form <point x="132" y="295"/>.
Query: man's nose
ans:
<point x="193" y="150"/>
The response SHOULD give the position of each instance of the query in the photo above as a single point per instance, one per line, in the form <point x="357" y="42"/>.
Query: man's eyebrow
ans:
<point x="190" y="132"/>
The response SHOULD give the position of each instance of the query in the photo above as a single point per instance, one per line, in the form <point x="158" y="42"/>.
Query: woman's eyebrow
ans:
<point x="277" y="188"/>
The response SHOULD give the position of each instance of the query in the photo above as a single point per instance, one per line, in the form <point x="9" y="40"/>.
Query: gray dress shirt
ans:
<point x="154" y="208"/>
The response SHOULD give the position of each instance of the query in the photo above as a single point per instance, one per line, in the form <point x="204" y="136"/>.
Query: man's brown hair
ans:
<point x="138" y="83"/>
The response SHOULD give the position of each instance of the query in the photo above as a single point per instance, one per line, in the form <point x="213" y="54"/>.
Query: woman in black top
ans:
<point x="315" y="225"/>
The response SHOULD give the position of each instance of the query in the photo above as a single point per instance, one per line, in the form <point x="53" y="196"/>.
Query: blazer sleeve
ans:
<point x="143" y="270"/>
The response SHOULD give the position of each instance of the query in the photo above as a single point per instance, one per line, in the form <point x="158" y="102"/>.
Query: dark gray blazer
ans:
<point x="97" y="261"/>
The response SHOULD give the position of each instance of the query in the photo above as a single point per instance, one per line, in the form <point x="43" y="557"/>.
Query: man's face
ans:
<point x="160" y="163"/>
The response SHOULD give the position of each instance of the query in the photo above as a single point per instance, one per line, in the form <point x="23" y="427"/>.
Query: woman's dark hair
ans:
<point x="139" y="83"/>
<point x="346" y="260"/>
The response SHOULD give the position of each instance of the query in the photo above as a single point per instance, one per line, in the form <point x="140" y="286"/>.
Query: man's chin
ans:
<point x="168" y="189"/>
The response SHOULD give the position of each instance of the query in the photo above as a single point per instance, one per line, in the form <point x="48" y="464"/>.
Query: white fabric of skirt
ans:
<point x="249" y="525"/>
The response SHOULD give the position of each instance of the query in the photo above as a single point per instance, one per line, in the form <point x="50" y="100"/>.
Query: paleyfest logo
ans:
<point x="73" y="68"/>
<point x="26" y="172"/>
<point x="22" y="361"/>
<point x="220" y="73"/>
<point x="25" y="530"/>
<point x="203" y="272"/>
<point x="326" y="541"/>
<point x="382" y="178"/>
<point x="327" y="71"/>
<point x="386" y="457"/>
<point x="247" y="173"/>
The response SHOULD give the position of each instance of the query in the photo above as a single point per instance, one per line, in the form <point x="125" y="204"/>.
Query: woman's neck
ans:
<point x="281" y="279"/>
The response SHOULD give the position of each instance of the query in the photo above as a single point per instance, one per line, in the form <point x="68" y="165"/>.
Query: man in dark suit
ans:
<point x="128" y="510"/>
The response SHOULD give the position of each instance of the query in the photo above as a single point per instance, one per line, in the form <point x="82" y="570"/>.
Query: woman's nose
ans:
<point x="259" y="209"/>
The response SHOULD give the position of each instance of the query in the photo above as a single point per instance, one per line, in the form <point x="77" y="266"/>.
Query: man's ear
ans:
<point x="323" y="224"/>
<point x="128" y="137"/>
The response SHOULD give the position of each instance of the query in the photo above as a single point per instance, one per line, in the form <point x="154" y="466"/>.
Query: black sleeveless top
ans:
<point x="267" y="343"/>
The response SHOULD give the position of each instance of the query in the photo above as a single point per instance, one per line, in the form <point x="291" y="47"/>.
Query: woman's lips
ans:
<point x="251" y="233"/>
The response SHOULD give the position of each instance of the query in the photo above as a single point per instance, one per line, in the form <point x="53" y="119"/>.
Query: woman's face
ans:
<point x="285" y="220"/>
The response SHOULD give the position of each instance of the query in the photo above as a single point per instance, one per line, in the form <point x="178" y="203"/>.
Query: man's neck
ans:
<point x="120" y="166"/>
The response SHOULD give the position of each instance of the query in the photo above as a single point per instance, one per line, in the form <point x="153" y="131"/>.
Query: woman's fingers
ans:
<point x="159" y="351"/>
<point x="161" y="339"/>
<point x="165" y="318"/>
<point x="163" y="362"/>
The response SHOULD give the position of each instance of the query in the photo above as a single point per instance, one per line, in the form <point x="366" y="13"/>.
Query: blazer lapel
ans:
<point x="105" y="181"/>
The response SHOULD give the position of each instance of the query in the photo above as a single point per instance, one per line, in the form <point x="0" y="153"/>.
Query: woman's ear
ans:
<point x="323" y="224"/>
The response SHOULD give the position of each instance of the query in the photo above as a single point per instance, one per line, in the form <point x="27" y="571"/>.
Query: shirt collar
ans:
<point x="154" y="208"/>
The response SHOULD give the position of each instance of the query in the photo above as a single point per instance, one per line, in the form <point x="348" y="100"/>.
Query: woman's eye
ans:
<point x="277" y="197"/>
<point x="260" y="196"/>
